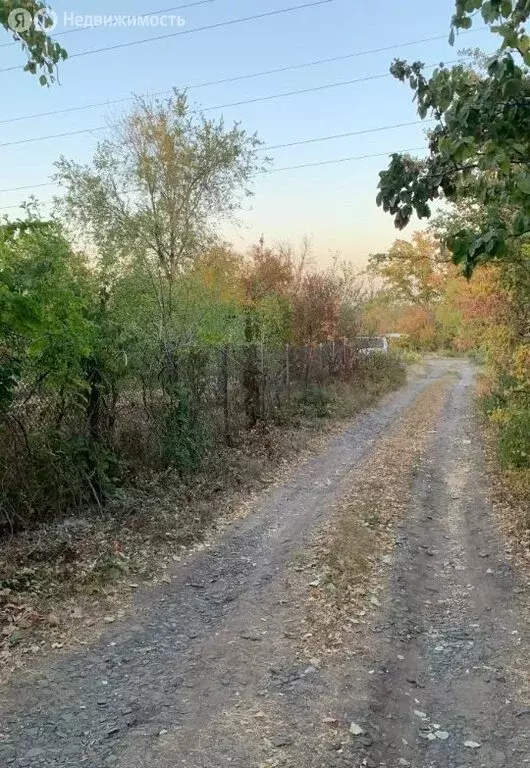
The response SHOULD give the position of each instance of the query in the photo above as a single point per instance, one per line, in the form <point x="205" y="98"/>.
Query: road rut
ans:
<point x="182" y="680"/>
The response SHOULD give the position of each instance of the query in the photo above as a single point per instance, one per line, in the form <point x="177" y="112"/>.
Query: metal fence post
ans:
<point x="308" y="360"/>
<point x="224" y="385"/>
<point x="263" y="381"/>
<point x="287" y="373"/>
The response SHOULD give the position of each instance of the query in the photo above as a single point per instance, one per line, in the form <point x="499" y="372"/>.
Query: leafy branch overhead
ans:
<point x="480" y="148"/>
<point x="43" y="53"/>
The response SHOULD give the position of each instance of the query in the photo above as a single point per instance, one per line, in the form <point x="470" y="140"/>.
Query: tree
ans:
<point x="44" y="309"/>
<point x="420" y="326"/>
<point x="28" y="21"/>
<point x="505" y="285"/>
<point x="480" y="148"/>
<point x="156" y="192"/>
<point x="508" y="16"/>
<point x="317" y="308"/>
<point x="268" y="284"/>
<point x="413" y="272"/>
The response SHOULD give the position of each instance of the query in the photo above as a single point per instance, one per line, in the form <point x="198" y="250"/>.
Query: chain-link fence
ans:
<point x="64" y="447"/>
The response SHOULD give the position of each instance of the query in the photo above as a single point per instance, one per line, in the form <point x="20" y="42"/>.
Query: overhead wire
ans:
<point x="227" y="80"/>
<point x="140" y="16"/>
<point x="269" y="97"/>
<point x="270" y="147"/>
<point x="273" y="170"/>
<point x="194" y="30"/>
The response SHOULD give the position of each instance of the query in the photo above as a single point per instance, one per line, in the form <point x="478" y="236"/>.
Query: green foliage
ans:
<point x="410" y="357"/>
<point x="514" y="441"/>
<point x="43" y="53"/>
<point x="69" y="471"/>
<point x="387" y="369"/>
<point x="413" y="272"/>
<point x="157" y="190"/>
<point x="316" y="402"/>
<point x="508" y="16"/>
<point x="496" y="399"/>
<point x="44" y="291"/>
<point x="59" y="362"/>
<point x="182" y="433"/>
<point x="480" y="148"/>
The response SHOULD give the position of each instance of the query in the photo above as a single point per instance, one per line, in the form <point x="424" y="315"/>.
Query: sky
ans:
<point x="334" y="205"/>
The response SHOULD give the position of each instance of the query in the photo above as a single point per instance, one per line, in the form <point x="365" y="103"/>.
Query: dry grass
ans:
<point x="510" y="495"/>
<point x="510" y="498"/>
<point x="347" y="562"/>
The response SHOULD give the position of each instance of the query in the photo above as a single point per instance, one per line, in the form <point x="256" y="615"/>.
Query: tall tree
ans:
<point x="157" y="191"/>
<point x="480" y="147"/>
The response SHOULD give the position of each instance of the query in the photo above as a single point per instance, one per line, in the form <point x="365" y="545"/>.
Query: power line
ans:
<point x="234" y="79"/>
<point x="218" y="25"/>
<point x="301" y="142"/>
<point x="283" y="94"/>
<point x="312" y="89"/>
<point x="344" y="135"/>
<point x="289" y="167"/>
<point x="140" y="16"/>
<point x="343" y="160"/>
<point x="28" y="186"/>
<point x="55" y="136"/>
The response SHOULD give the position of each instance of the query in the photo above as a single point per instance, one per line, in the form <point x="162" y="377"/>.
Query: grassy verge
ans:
<point x="59" y="581"/>
<point x="510" y="492"/>
<point x="504" y="413"/>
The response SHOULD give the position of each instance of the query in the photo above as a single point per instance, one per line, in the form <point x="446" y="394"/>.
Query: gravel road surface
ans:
<point x="185" y="678"/>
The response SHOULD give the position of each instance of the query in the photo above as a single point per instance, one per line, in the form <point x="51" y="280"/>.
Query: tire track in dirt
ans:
<point x="452" y="661"/>
<point x="188" y="678"/>
<point x="303" y="715"/>
<point x="272" y="683"/>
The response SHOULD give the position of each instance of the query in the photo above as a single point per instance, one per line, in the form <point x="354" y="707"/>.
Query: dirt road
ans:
<point x="208" y="670"/>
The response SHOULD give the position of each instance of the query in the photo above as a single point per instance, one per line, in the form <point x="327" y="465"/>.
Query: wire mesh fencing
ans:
<point x="62" y="446"/>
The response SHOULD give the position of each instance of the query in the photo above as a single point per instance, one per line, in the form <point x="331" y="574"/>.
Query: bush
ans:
<point x="316" y="402"/>
<point x="182" y="434"/>
<point x="514" y="442"/>
<point x="62" y="451"/>
<point x="387" y="371"/>
<point x="410" y="357"/>
<point x="53" y="474"/>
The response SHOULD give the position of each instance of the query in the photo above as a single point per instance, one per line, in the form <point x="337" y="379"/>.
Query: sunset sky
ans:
<point x="333" y="204"/>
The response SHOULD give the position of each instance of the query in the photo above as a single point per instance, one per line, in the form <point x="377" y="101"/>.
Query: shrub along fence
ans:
<point x="60" y="450"/>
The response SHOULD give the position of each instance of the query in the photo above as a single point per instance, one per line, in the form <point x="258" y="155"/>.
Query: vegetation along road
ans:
<point x="231" y="532"/>
<point x="362" y="614"/>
